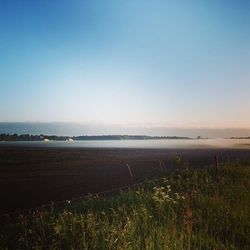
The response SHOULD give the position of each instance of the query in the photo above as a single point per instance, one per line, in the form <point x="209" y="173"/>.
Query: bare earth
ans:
<point x="31" y="177"/>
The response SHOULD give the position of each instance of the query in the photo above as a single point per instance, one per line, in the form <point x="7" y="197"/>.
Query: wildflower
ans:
<point x="177" y="196"/>
<point x="138" y="193"/>
<point x="161" y="196"/>
<point x="57" y="228"/>
<point x="165" y="180"/>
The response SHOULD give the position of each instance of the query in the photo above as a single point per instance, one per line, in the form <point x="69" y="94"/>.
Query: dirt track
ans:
<point x="33" y="176"/>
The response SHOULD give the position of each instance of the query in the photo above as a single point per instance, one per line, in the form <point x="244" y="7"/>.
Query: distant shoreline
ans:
<point x="27" y="137"/>
<point x="239" y="138"/>
<point x="41" y="137"/>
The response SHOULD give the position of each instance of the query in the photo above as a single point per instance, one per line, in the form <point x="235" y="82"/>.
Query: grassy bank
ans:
<point x="188" y="209"/>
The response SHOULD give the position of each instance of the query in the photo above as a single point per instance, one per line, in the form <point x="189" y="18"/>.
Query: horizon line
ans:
<point x="142" y="125"/>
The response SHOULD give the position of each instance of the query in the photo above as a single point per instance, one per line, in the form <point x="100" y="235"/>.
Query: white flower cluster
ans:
<point x="162" y="195"/>
<point x="179" y="197"/>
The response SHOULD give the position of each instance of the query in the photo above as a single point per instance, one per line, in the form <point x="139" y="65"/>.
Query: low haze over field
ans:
<point x="125" y="67"/>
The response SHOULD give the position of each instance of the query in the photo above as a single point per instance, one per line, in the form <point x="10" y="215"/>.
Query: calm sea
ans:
<point x="154" y="144"/>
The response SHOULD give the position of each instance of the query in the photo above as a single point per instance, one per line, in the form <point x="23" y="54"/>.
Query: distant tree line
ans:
<point x="246" y="137"/>
<point x="125" y="137"/>
<point x="28" y="137"/>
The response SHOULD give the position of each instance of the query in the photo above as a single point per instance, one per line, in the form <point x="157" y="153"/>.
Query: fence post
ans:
<point x="216" y="161"/>
<point x="161" y="165"/>
<point x="130" y="171"/>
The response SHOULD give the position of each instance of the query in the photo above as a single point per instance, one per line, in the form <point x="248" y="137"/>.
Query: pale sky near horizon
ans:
<point x="152" y="63"/>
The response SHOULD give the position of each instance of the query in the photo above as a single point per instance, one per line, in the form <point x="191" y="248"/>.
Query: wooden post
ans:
<point x="161" y="167"/>
<point x="164" y="165"/>
<point x="130" y="171"/>
<point x="216" y="161"/>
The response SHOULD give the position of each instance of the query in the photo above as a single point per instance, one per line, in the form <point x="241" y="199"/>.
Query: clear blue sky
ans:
<point x="143" y="63"/>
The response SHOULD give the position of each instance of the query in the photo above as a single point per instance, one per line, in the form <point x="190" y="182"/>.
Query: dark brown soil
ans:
<point x="31" y="177"/>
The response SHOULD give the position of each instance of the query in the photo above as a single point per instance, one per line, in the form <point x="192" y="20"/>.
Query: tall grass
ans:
<point x="188" y="209"/>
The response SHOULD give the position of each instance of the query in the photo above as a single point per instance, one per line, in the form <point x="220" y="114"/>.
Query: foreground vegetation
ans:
<point x="188" y="209"/>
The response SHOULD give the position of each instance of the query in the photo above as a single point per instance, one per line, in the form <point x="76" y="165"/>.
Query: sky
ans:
<point x="129" y="64"/>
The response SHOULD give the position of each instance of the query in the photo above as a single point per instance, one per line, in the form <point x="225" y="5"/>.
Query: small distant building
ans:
<point x="199" y="137"/>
